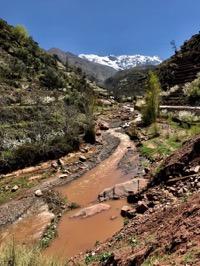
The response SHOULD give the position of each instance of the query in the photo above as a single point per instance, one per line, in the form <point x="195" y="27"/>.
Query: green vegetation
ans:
<point x="14" y="255"/>
<point x="128" y="83"/>
<point x="152" y="99"/>
<point x="20" y="32"/>
<point x="168" y="139"/>
<point x="49" y="235"/>
<point x="155" y="260"/>
<point x="181" y="67"/>
<point x="45" y="107"/>
<point x="103" y="257"/>
<point x="6" y="191"/>
<point x="134" y="241"/>
<point x="192" y="90"/>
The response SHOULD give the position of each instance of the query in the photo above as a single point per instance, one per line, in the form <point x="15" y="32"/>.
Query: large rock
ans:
<point x="122" y="190"/>
<point x="92" y="210"/>
<point x="141" y="207"/>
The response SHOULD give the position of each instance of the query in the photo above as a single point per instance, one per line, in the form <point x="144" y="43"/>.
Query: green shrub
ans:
<point x="52" y="79"/>
<point x="20" y="32"/>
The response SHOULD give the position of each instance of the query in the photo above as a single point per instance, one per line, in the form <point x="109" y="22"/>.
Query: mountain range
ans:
<point x="92" y="70"/>
<point x="100" y="68"/>
<point x="122" y="62"/>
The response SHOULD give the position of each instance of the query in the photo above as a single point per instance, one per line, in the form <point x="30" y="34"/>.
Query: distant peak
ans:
<point x="122" y="62"/>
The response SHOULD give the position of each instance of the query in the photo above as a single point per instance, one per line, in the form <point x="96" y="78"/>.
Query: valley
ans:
<point x="99" y="156"/>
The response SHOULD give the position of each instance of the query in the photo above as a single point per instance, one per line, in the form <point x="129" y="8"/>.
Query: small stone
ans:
<point x="98" y="133"/>
<point x="82" y="158"/>
<point x="54" y="165"/>
<point x="38" y="193"/>
<point x="15" y="188"/>
<point x="61" y="162"/>
<point x="6" y="188"/>
<point x="113" y="218"/>
<point x="63" y="176"/>
<point x="198" y="185"/>
<point x="103" y="126"/>
<point x="180" y="191"/>
<point x="197" y="169"/>
<point x="185" y="189"/>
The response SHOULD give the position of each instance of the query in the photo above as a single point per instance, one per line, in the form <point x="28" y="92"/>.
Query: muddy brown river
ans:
<point x="76" y="235"/>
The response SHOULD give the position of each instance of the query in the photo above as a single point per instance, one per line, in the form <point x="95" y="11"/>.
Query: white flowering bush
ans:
<point x="188" y="116"/>
<point x="192" y="90"/>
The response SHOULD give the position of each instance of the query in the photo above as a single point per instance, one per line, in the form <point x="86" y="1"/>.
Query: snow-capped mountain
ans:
<point x="122" y="62"/>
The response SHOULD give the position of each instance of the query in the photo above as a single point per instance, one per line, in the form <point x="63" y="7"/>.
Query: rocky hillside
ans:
<point x="93" y="70"/>
<point x="130" y="82"/>
<point x="44" y="105"/>
<point x="162" y="222"/>
<point x="183" y="66"/>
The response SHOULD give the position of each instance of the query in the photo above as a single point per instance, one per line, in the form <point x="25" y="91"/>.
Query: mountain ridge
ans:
<point x="93" y="71"/>
<point x="122" y="62"/>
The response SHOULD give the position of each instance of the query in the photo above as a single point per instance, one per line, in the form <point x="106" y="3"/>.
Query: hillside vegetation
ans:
<point x="183" y="66"/>
<point x="129" y="82"/>
<point x="44" y="106"/>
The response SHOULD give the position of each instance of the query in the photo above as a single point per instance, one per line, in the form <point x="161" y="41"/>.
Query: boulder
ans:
<point x="122" y="190"/>
<point x="141" y="207"/>
<point x="124" y="210"/>
<point x="92" y="210"/>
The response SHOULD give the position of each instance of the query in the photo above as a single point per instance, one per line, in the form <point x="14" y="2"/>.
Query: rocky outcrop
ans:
<point x="122" y="190"/>
<point x="92" y="210"/>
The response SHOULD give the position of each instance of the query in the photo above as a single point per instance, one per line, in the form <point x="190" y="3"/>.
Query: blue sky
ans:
<point x="106" y="26"/>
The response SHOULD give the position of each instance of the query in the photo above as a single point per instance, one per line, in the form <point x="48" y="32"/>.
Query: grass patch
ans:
<point x="6" y="193"/>
<point x="154" y="260"/>
<point x="15" y="255"/>
<point x="103" y="257"/>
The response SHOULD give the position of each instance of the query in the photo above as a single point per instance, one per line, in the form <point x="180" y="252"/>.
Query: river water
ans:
<point x="76" y="235"/>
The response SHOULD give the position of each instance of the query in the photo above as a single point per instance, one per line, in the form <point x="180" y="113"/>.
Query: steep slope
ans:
<point x="129" y="82"/>
<point x="93" y="70"/>
<point x="44" y="106"/>
<point x="122" y="62"/>
<point x="183" y="66"/>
